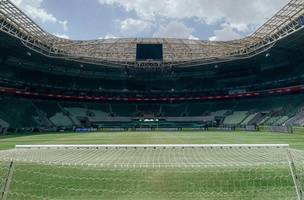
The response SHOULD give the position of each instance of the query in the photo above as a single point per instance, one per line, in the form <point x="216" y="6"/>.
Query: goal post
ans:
<point x="153" y="155"/>
<point x="210" y="146"/>
<point x="156" y="171"/>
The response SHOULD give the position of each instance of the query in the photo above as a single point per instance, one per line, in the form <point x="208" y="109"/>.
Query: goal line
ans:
<point x="214" y="171"/>
<point x="151" y="155"/>
<point x="162" y="146"/>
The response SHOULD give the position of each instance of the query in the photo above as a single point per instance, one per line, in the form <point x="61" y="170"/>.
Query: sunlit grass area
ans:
<point x="64" y="182"/>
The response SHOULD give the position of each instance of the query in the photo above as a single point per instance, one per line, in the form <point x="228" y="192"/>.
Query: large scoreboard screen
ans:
<point x="146" y="52"/>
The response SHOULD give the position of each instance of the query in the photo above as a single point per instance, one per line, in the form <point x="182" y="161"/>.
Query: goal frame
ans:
<point x="291" y="164"/>
<point x="135" y="146"/>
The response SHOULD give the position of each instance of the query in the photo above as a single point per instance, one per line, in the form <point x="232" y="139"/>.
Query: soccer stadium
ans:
<point x="152" y="118"/>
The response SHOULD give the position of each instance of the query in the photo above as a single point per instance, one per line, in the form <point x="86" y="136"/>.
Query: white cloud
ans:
<point x="34" y="10"/>
<point x="62" y="35"/>
<point x="108" y="36"/>
<point x="225" y="34"/>
<point x="175" y="29"/>
<point x="191" y="37"/>
<point x="132" y="26"/>
<point x="212" y="38"/>
<point x="64" y="24"/>
<point x="240" y="14"/>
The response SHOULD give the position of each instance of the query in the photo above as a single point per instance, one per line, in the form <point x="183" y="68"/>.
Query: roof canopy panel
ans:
<point x="176" y="51"/>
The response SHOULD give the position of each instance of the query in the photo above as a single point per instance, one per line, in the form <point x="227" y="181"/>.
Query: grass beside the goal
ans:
<point x="37" y="181"/>
<point x="213" y="137"/>
<point x="67" y="183"/>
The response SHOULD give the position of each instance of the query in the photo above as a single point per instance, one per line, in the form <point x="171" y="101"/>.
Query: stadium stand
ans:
<point x="249" y="118"/>
<point x="61" y="120"/>
<point x="3" y="123"/>
<point x="173" y="110"/>
<point x="18" y="112"/>
<point x="198" y="109"/>
<point x="97" y="115"/>
<point x="271" y="111"/>
<point x="236" y="118"/>
<point x="51" y="84"/>
<point x="102" y="107"/>
<point x="193" y="86"/>
<point x="221" y="113"/>
<point x="281" y="120"/>
<point x="124" y="111"/>
<point x="297" y="120"/>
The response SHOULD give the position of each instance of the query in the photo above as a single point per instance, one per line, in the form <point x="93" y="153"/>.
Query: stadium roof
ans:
<point x="176" y="51"/>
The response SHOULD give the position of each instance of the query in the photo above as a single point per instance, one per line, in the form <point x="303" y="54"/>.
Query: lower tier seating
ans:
<point x="277" y="110"/>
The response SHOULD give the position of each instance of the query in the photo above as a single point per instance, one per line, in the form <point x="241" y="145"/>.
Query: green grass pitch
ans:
<point x="295" y="140"/>
<point x="209" y="183"/>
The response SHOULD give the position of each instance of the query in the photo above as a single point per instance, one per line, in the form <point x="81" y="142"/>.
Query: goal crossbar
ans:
<point x="204" y="146"/>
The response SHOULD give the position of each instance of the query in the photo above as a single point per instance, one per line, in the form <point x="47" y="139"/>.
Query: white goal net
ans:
<point x="149" y="172"/>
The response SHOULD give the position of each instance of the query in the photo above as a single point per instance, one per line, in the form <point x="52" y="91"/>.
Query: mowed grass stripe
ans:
<point x="55" y="182"/>
<point x="237" y="183"/>
<point x="295" y="140"/>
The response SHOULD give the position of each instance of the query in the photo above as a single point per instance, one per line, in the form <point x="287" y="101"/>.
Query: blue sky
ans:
<point x="191" y="19"/>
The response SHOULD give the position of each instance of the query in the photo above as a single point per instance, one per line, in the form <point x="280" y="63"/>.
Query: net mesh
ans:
<point x="298" y="159"/>
<point x="163" y="173"/>
<point x="3" y="174"/>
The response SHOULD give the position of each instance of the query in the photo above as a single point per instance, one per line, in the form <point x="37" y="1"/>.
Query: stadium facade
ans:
<point x="48" y="82"/>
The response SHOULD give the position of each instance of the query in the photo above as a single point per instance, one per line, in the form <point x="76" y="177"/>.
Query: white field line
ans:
<point x="153" y="146"/>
